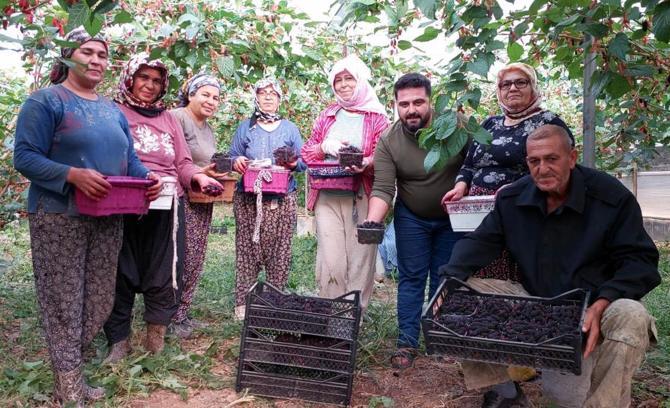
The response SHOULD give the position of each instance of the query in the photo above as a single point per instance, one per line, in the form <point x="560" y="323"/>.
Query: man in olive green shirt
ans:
<point x="424" y="237"/>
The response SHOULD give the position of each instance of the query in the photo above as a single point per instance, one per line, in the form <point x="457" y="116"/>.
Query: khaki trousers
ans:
<point x="342" y="264"/>
<point x="626" y="330"/>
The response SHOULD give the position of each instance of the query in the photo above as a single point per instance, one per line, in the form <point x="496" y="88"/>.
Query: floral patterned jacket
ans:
<point x="504" y="160"/>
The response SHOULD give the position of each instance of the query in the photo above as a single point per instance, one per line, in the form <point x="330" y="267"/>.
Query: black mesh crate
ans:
<point x="299" y="347"/>
<point x="269" y="308"/>
<point x="504" y="329"/>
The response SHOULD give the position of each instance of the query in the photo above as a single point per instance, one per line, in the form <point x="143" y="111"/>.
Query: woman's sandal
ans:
<point x="403" y="358"/>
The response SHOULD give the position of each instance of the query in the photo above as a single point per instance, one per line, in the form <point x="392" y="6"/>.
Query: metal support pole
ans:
<point x="589" y="108"/>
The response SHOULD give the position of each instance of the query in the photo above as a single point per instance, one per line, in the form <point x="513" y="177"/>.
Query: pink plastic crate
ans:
<point x="278" y="184"/>
<point x="317" y="182"/>
<point x="127" y="196"/>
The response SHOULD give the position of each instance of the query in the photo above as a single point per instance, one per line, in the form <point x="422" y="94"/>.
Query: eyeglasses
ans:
<point x="271" y="94"/>
<point x="519" y="83"/>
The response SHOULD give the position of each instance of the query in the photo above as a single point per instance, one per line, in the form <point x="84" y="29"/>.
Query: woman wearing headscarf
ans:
<point x="357" y="118"/>
<point x="489" y="167"/>
<point x="152" y="254"/>
<point x="256" y="139"/>
<point x="68" y="136"/>
<point x="198" y="101"/>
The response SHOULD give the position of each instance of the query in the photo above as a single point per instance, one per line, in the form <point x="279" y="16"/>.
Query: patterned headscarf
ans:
<point x="536" y="98"/>
<point x="125" y="95"/>
<point x="79" y="35"/>
<point x="258" y="112"/>
<point x="191" y="86"/>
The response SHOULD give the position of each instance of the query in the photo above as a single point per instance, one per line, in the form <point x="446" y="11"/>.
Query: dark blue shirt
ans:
<point x="56" y="130"/>
<point x="594" y="241"/>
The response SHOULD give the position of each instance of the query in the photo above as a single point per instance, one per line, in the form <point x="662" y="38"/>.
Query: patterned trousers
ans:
<point x="198" y="217"/>
<point x="274" y="249"/>
<point x="74" y="263"/>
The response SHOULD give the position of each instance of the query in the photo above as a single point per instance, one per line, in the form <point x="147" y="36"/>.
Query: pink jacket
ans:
<point x="373" y="126"/>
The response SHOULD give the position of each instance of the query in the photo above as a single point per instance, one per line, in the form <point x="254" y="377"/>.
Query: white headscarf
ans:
<point x="364" y="97"/>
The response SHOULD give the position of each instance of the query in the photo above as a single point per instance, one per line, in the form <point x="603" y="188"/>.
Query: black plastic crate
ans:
<point x="269" y="308"/>
<point x="299" y="347"/>
<point x="278" y="386"/>
<point x="300" y="351"/>
<point x="462" y="339"/>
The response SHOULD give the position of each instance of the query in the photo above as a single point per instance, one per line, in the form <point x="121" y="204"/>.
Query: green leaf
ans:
<point x="6" y="38"/>
<point x="618" y="86"/>
<point x="479" y="66"/>
<point x="536" y="5"/>
<point x="472" y="125"/>
<point x="454" y="145"/>
<point x="78" y="15"/>
<point x="441" y="103"/>
<point x="123" y="17"/>
<point x="445" y="124"/>
<point x="156" y="53"/>
<point x="432" y="158"/>
<point x="94" y="25"/>
<point x="456" y="86"/>
<point x="226" y="66"/>
<point x="640" y="70"/>
<point x="430" y="33"/>
<point x="619" y="46"/>
<point x="31" y="365"/>
<point x="472" y="97"/>
<point x="596" y="29"/>
<point x="569" y="21"/>
<point x="427" y="7"/>
<point x="105" y="6"/>
<point x="482" y="136"/>
<point x="404" y="44"/>
<point x="599" y="81"/>
<point x="514" y="51"/>
<point x="494" y="45"/>
<point x="661" y="21"/>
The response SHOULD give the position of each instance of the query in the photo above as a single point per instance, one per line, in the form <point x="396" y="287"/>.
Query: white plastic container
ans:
<point x="165" y="199"/>
<point x="467" y="213"/>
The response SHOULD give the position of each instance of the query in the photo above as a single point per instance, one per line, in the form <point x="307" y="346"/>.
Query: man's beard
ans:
<point x="413" y="128"/>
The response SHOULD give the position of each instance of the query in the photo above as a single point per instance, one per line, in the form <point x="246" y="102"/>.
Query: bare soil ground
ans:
<point x="432" y="382"/>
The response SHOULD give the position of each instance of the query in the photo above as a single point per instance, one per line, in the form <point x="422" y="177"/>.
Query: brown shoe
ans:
<point x="155" y="340"/>
<point x="117" y="352"/>
<point x="69" y="388"/>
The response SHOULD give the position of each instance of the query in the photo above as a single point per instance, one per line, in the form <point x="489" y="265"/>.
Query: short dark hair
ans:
<point x="412" y="80"/>
<point x="547" y="131"/>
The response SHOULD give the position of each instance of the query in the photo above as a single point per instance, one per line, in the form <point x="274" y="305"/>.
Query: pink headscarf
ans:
<point x="364" y="98"/>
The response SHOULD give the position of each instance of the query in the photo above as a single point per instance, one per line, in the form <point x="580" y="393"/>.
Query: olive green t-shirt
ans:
<point x="398" y="160"/>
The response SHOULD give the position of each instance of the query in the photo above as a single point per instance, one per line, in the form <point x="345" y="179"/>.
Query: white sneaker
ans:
<point x="239" y="312"/>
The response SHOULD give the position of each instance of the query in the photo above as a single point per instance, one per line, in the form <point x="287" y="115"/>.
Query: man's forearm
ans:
<point x="377" y="209"/>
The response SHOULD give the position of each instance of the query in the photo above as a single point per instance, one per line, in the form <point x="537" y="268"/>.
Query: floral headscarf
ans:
<point x="125" y="95"/>
<point x="258" y="112"/>
<point x="536" y="99"/>
<point x="191" y="86"/>
<point x="79" y="35"/>
<point x="364" y="97"/>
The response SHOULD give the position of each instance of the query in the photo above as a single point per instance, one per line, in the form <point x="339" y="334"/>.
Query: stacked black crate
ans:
<point x="299" y="347"/>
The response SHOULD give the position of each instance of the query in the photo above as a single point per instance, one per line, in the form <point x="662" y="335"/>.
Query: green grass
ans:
<point x="658" y="303"/>
<point x="25" y="375"/>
